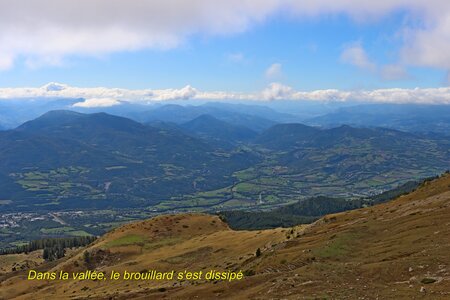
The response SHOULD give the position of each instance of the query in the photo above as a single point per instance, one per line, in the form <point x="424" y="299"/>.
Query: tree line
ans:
<point x="54" y="248"/>
<point x="311" y="209"/>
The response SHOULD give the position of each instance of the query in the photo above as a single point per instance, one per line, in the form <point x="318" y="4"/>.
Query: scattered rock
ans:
<point x="422" y="290"/>
<point x="428" y="280"/>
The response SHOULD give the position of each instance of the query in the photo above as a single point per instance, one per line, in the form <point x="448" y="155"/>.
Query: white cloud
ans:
<point x="54" y="89"/>
<point x="47" y="31"/>
<point x="394" y="95"/>
<point x="6" y="60"/>
<point x="274" y="71"/>
<point x="276" y="91"/>
<point x="102" y="97"/>
<point x="174" y="94"/>
<point x="356" y="55"/>
<point x="430" y="45"/>
<point x="97" y="102"/>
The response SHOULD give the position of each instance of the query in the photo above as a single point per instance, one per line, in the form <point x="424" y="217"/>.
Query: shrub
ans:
<point x="249" y="272"/>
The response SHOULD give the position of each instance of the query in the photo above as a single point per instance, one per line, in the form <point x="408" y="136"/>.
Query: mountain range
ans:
<point x="415" y="118"/>
<point x="72" y="156"/>
<point x="406" y="117"/>
<point x="67" y="159"/>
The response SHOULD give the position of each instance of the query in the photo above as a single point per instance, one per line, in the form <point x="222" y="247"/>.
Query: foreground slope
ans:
<point x="395" y="250"/>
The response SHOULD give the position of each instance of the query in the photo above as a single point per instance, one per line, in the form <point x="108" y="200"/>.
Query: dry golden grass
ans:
<point x="13" y="262"/>
<point x="380" y="252"/>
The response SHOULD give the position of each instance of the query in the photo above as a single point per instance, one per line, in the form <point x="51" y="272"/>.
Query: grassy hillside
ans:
<point x="395" y="250"/>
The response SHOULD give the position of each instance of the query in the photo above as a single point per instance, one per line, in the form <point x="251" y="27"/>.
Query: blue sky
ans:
<point x="234" y="48"/>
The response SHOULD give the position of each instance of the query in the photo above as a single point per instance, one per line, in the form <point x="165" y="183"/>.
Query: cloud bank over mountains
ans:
<point x="46" y="32"/>
<point x="106" y="97"/>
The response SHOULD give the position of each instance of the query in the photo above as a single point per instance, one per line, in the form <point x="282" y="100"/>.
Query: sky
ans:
<point x="107" y="51"/>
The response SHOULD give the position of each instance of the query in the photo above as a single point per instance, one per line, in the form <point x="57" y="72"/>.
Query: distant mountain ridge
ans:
<point x="181" y="114"/>
<point x="138" y="164"/>
<point x="50" y="119"/>
<point x="256" y="116"/>
<point x="213" y="128"/>
<point x="286" y="135"/>
<point x="406" y="117"/>
<point x="66" y="159"/>
<point x="346" y="150"/>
